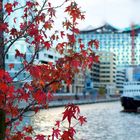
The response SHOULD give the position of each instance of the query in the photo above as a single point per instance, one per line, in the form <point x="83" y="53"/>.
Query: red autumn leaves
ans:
<point x="72" y="112"/>
<point x="46" y="78"/>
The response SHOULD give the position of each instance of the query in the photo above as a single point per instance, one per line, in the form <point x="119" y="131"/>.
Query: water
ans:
<point x="106" y="121"/>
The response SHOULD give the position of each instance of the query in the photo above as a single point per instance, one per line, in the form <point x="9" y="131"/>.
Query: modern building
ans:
<point x="17" y="61"/>
<point x="95" y="75"/>
<point x="115" y="40"/>
<point x="108" y="71"/>
<point x="120" y="79"/>
<point x="136" y="73"/>
<point x="133" y="73"/>
<point x="78" y="82"/>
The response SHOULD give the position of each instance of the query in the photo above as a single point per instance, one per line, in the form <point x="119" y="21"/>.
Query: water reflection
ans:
<point x="105" y="122"/>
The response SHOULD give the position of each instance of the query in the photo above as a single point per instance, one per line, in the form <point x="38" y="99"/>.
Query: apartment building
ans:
<point x="108" y="71"/>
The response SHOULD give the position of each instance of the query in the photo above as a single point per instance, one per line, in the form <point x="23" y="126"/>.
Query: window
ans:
<point x="50" y="56"/>
<point x="24" y="75"/>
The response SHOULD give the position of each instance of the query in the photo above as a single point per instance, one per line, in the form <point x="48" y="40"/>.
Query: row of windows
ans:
<point x="28" y="57"/>
<point x="131" y="90"/>
<point x="132" y="83"/>
<point x="110" y="35"/>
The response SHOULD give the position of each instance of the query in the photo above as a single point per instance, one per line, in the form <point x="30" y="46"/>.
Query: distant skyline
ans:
<point x="119" y="13"/>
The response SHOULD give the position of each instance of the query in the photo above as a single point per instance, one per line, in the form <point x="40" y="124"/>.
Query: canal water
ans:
<point x="105" y="121"/>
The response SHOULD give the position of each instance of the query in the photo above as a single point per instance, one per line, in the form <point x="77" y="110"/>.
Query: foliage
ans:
<point x="102" y="91"/>
<point x="35" y="26"/>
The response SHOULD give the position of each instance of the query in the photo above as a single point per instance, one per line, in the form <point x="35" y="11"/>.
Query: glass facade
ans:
<point x="118" y="42"/>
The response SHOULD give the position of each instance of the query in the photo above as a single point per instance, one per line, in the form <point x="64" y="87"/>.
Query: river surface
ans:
<point x="105" y="121"/>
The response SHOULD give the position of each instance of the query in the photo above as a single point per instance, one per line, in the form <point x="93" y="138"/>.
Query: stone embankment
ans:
<point x="83" y="101"/>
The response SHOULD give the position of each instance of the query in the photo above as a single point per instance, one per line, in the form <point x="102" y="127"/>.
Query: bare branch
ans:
<point x="56" y="6"/>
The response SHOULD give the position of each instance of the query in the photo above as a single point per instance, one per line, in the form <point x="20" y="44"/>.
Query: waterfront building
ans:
<point x="133" y="73"/>
<point x="78" y="82"/>
<point x="136" y="73"/>
<point x="115" y="40"/>
<point x="17" y="62"/>
<point x="107" y="71"/>
<point x="120" y="79"/>
<point x="95" y="75"/>
<point x="129" y="74"/>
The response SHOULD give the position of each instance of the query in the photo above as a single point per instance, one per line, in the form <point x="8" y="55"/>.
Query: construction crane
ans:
<point x="133" y="45"/>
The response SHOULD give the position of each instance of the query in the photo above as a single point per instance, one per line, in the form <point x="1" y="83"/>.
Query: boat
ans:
<point x="130" y="99"/>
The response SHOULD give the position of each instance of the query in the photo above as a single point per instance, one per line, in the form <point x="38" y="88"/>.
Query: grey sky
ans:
<point x="120" y="13"/>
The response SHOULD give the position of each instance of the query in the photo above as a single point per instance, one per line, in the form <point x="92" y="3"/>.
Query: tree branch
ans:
<point x="14" y="11"/>
<point x="26" y="109"/>
<point x="25" y="29"/>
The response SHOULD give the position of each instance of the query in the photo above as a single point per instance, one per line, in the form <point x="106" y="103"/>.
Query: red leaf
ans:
<point x="28" y="129"/>
<point x="57" y="124"/>
<point x="15" y="20"/>
<point x="76" y="63"/>
<point x="84" y="53"/>
<point x="56" y="133"/>
<point x="73" y="11"/>
<point x="40" y="97"/>
<point x="11" y="66"/>
<point x="51" y="12"/>
<point x="9" y="8"/>
<point x="67" y="24"/>
<point x="49" y="96"/>
<point x="25" y="97"/>
<point x="72" y="131"/>
<point x="76" y="30"/>
<point x="29" y="4"/>
<point x="79" y="40"/>
<point x="95" y="42"/>
<point x="4" y="27"/>
<point x="70" y="112"/>
<point x="96" y="58"/>
<point x="14" y="32"/>
<point x="15" y="3"/>
<point x="66" y="136"/>
<point x="49" y="4"/>
<point x="82" y="120"/>
<point x="40" y="137"/>
<point x="71" y="38"/>
<point x="18" y="54"/>
<point x="47" y="45"/>
<point x="81" y="46"/>
<point x="28" y="138"/>
<point x="48" y="25"/>
<point x="62" y="34"/>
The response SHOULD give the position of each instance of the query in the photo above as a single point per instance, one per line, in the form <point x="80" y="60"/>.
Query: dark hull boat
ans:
<point x="130" y="99"/>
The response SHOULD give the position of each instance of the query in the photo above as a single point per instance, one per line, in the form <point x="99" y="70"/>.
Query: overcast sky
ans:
<point x="119" y="13"/>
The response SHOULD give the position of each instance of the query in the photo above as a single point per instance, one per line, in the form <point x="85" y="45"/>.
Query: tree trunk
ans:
<point x="2" y="66"/>
<point x="2" y="124"/>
